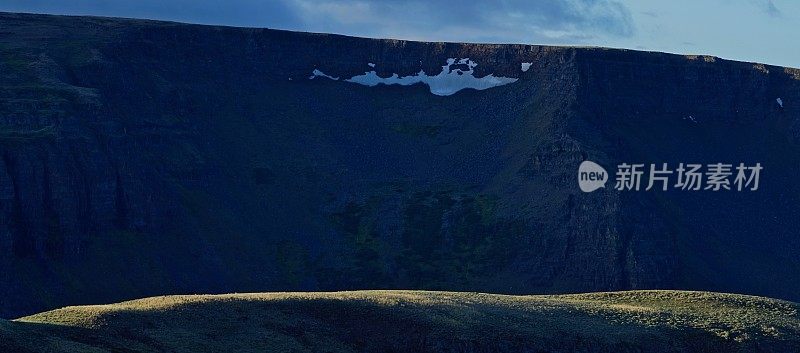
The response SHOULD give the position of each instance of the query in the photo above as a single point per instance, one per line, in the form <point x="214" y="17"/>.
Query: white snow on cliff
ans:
<point x="316" y="73"/>
<point x="526" y="66"/>
<point x="447" y="82"/>
<point x="780" y="102"/>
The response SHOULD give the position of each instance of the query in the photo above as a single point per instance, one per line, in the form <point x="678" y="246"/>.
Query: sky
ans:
<point x="765" y="31"/>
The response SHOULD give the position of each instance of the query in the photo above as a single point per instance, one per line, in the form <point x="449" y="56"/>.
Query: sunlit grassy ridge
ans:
<point x="416" y="321"/>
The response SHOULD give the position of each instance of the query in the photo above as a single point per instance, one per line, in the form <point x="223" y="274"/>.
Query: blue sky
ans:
<point x="765" y="31"/>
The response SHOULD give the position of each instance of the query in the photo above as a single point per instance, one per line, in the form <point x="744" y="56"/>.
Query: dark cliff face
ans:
<point x="143" y="158"/>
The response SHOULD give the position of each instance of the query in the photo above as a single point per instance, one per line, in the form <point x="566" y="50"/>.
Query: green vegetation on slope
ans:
<point x="416" y="321"/>
<point x="449" y="240"/>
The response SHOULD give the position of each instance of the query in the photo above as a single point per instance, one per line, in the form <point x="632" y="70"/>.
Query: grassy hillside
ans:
<point x="416" y="321"/>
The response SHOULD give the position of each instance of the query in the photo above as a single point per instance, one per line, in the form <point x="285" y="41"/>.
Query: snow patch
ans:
<point x="447" y="82"/>
<point x="780" y="102"/>
<point x="690" y="118"/>
<point x="370" y="64"/>
<point x="316" y="73"/>
<point x="526" y="66"/>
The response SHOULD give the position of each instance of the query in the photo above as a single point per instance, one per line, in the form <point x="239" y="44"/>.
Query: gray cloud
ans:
<point x="562" y="21"/>
<point x="651" y="14"/>
<point x="768" y="7"/>
<point x="772" y="10"/>
<point x="508" y="20"/>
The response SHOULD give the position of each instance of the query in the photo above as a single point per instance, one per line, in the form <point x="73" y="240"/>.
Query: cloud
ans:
<point x="651" y="14"/>
<point x="768" y="7"/>
<point x="524" y="21"/>
<point x="505" y="20"/>
<point x="772" y="10"/>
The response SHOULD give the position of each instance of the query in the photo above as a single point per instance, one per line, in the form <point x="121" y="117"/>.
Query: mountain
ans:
<point x="144" y="158"/>
<point x="416" y="321"/>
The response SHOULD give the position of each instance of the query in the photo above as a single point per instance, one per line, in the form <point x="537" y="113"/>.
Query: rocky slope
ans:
<point x="416" y="321"/>
<point x="143" y="158"/>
